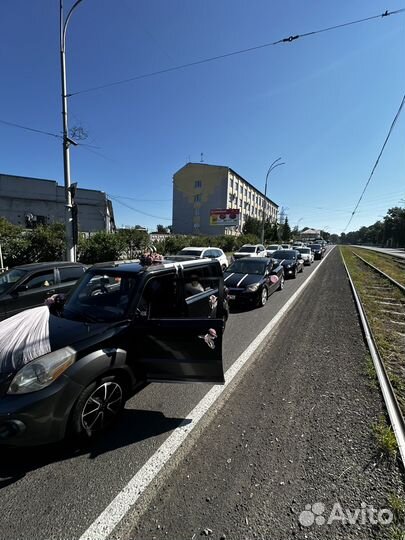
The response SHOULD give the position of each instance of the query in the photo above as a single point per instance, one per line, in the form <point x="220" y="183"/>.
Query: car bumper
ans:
<point x="38" y="417"/>
<point x="243" y="297"/>
<point x="289" y="272"/>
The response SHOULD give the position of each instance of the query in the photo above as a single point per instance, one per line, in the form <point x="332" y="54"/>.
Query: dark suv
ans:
<point x="122" y="326"/>
<point x="29" y="285"/>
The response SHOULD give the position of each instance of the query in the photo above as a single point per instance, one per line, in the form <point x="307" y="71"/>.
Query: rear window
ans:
<point x="284" y="254"/>
<point x="70" y="273"/>
<point x="247" y="249"/>
<point x="304" y="250"/>
<point x="190" y="252"/>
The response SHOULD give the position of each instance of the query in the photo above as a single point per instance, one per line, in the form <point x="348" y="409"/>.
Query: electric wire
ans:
<point x="137" y="210"/>
<point x="288" y="39"/>
<point x="377" y="161"/>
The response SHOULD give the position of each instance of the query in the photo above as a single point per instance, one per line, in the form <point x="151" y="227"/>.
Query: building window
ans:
<point x="197" y="198"/>
<point x="236" y="185"/>
<point x="230" y="197"/>
<point x="245" y="192"/>
<point x="231" y="184"/>
<point x="197" y="184"/>
<point x="240" y="203"/>
<point x="241" y="188"/>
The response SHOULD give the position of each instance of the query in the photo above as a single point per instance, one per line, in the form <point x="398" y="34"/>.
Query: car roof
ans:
<point x="192" y="247"/>
<point x="44" y="265"/>
<point x="253" y="259"/>
<point x="136" y="268"/>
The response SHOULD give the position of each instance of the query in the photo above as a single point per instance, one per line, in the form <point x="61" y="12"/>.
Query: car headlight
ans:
<point x="253" y="287"/>
<point x="40" y="373"/>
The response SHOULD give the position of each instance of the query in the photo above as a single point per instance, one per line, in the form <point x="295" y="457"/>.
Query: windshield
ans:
<point x="272" y="247"/>
<point x="8" y="279"/>
<point x="101" y="297"/>
<point x="191" y="252"/>
<point x="304" y="250"/>
<point x="247" y="267"/>
<point x="247" y="249"/>
<point x="315" y="246"/>
<point x="284" y="254"/>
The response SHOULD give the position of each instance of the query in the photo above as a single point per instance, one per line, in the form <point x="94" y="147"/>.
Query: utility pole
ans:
<point x="69" y="224"/>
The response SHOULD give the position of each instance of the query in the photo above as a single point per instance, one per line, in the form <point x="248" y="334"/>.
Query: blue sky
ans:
<point x="323" y="103"/>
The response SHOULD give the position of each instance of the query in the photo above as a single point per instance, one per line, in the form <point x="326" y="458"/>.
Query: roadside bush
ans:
<point x="100" y="247"/>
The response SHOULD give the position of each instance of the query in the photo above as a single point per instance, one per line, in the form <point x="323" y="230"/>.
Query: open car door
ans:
<point x="179" y="337"/>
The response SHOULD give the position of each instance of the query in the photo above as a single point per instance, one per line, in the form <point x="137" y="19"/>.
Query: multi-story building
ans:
<point x="32" y="201"/>
<point x="199" y="188"/>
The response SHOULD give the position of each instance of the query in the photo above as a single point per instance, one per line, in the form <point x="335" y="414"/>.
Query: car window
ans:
<point x="101" y="297"/>
<point x="8" y="279"/>
<point x="70" y="273"/>
<point x="41" y="279"/>
<point x="160" y="298"/>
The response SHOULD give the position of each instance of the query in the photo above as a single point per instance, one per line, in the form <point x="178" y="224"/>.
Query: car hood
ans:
<point x="235" y="280"/>
<point x="288" y="262"/>
<point x="35" y="332"/>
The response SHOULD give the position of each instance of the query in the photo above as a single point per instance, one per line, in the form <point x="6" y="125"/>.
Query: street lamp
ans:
<point x="69" y="218"/>
<point x="272" y="166"/>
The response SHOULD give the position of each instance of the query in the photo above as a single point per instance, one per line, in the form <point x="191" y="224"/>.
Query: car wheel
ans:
<point x="263" y="297"/>
<point x="98" y="407"/>
<point x="281" y="285"/>
<point x="223" y="267"/>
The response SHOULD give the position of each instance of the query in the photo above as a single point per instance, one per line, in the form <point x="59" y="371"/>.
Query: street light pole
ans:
<point x="69" y="225"/>
<point x="272" y="166"/>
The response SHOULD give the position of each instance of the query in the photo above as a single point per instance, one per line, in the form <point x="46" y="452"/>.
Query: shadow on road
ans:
<point x="133" y="426"/>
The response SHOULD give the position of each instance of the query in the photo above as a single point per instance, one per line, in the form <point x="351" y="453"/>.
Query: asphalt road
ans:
<point x="293" y="443"/>
<point x="57" y="492"/>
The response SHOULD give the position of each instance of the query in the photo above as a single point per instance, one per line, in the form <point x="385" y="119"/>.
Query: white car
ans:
<point x="272" y="248"/>
<point x="306" y="254"/>
<point x="206" y="253"/>
<point x="250" y="250"/>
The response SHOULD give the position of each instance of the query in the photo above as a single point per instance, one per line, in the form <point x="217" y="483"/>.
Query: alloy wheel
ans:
<point x="102" y="406"/>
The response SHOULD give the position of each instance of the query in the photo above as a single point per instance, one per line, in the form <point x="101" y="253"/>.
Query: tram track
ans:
<point x="380" y="301"/>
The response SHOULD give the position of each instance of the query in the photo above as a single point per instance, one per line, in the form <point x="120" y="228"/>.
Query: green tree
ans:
<point x="133" y="240"/>
<point x="47" y="243"/>
<point x="252" y="226"/>
<point x="285" y="231"/>
<point x="101" y="247"/>
<point x="161" y="229"/>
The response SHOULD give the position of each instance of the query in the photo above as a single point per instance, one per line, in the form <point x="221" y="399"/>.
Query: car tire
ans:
<point x="98" y="407"/>
<point x="281" y="285"/>
<point x="263" y="297"/>
<point x="224" y="267"/>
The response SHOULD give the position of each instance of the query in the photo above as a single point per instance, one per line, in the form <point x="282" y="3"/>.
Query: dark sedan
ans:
<point x="291" y="261"/>
<point x="317" y="250"/>
<point x="29" y="285"/>
<point x="253" y="280"/>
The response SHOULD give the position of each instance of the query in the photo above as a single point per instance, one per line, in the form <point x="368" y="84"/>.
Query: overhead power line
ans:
<point x="288" y="39"/>
<point x="377" y="161"/>
<point x="137" y="210"/>
<point x="31" y="129"/>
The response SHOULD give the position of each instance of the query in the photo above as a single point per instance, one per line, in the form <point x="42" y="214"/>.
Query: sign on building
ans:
<point x="228" y="217"/>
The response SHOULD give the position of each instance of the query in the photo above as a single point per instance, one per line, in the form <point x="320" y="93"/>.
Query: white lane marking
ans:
<point x="106" y="522"/>
<point x="244" y="277"/>
<point x="230" y="275"/>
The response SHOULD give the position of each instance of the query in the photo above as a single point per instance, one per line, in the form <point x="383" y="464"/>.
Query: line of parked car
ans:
<point x="69" y="367"/>
<point x="256" y="272"/>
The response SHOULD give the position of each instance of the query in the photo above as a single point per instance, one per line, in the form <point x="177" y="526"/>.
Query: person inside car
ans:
<point x="193" y="286"/>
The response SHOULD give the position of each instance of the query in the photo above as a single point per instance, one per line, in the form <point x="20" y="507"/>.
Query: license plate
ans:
<point x="231" y="297"/>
